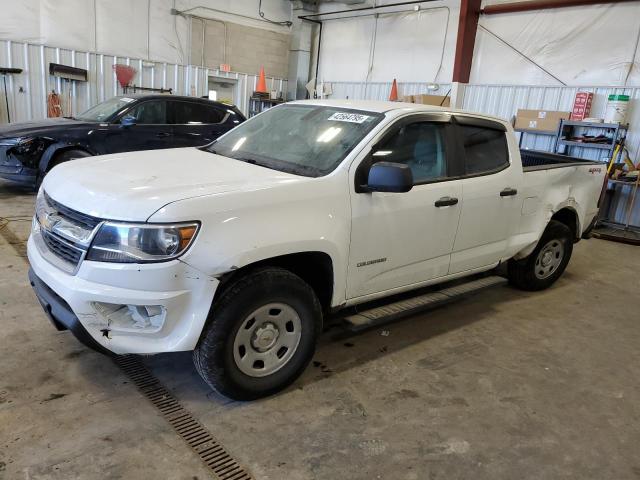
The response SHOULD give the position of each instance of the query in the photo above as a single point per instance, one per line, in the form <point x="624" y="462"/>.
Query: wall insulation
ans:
<point x="134" y="28"/>
<point x="27" y="92"/>
<point x="398" y="42"/>
<point x="585" y="45"/>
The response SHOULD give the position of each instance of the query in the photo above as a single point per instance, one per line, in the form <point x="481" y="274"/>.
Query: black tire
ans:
<point x="214" y="355"/>
<point x="522" y="273"/>
<point x="61" y="158"/>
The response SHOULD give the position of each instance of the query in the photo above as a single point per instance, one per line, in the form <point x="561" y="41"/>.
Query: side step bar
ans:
<point x="393" y="311"/>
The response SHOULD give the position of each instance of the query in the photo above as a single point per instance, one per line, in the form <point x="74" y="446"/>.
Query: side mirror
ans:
<point x="128" y="121"/>
<point x="389" y="177"/>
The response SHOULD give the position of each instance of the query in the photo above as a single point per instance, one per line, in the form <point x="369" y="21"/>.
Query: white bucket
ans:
<point x="616" y="109"/>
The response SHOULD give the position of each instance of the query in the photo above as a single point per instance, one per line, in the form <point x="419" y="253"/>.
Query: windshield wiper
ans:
<point x="251" y="161"/>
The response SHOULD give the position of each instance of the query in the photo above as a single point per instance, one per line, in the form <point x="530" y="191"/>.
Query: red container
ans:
<point x="581" y="106"/>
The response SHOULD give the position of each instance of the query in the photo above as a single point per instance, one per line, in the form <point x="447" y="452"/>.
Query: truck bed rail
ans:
<point x="537" y="160"/>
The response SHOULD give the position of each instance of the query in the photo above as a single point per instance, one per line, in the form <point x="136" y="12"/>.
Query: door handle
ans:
<point x="163" y="134"/>
<point x="508" y="192"/>
<point x="446" y="202"/>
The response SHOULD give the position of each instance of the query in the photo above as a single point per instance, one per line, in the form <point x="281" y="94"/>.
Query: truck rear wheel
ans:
<point x="261" y="335"/>
<point x="547" y="262"/>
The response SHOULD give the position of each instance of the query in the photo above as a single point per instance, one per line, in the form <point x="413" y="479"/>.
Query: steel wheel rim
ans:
<point x="549" y="259"/>
<point x="267" y="339"/>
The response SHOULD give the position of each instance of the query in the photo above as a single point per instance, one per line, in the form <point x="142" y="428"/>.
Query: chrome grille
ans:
<point x="63" y="249"/>
<point x="82" y="219"/>
<point x="62" y="234"/>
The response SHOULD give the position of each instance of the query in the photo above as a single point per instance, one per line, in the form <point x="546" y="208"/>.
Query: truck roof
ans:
<point x="381" y="106"/>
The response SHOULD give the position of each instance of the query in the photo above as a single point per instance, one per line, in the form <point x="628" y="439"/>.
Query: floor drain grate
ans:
<point x="197" y="437"/>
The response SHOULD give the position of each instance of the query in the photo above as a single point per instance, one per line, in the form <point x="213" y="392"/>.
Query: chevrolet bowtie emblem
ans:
<point x="49" y="220"/>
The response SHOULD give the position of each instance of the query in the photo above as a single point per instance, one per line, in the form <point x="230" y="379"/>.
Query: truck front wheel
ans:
<point x="547" y="262"/>
<point x="261" y="335"/>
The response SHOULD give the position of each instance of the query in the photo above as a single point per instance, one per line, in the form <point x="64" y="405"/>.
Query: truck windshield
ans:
<point x="103" y="111"/>
<point x="308" y="140"/>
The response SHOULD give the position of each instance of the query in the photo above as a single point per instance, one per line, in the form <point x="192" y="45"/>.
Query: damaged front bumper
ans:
<point x="61" y="315"/>
<point x="125" y="308"/>
<point x="13" y="169"/>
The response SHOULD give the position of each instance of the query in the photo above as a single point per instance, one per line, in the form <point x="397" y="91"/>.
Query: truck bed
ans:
<point x="537" y="160"/>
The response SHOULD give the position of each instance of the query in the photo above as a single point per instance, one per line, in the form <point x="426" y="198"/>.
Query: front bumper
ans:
<point x="61" y="315"/>
<point x="13" y="170"/>
<point x="185" y="293"/>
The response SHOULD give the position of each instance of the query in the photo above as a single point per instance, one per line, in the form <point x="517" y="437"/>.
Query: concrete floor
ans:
<point x="506" y="384"/>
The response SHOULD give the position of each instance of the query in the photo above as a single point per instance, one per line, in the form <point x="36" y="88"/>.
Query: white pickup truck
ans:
<point x="237" y="250"/>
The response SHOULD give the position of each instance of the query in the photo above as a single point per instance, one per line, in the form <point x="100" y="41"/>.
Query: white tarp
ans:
<point x="588" y="45"/>
<point x="406" y="45"/>
<point x="127" y="28"/>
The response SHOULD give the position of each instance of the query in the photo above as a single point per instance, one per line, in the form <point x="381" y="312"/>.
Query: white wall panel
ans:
<point x="122" y="27"/>
<point x="27" y="92"/>
<point x="411" y="46"/>
<point x="67" y="23"/>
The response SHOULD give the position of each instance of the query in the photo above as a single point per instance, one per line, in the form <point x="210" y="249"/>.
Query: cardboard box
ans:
<point x="581" y="106"/>
<point x="540" y="120"/>
<point x="407" y="98"/>
<point x="437" y="100"/>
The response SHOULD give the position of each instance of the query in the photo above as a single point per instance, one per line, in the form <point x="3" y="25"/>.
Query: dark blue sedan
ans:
<point x="122" y="124"/>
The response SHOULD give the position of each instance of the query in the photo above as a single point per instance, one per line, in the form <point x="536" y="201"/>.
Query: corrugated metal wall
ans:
<point x="504" y="101"/>
<point x="27" y="92"/>
<point x="381" y="90"/>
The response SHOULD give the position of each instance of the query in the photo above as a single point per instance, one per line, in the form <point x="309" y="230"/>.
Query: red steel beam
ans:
<point x="526" y="6"/>
<point x="467" y="28"/>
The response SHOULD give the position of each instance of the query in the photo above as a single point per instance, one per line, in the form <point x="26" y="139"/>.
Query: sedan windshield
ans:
<point x="308" y="140"/>
<point x="105" y="110"/>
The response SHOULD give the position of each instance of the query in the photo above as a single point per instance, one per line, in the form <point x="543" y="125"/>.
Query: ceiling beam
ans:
<point x="467" y="28"/>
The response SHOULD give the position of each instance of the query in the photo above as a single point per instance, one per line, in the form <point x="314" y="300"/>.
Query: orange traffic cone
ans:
<point x="394" y="92"/>
<point x="262" y="82"/>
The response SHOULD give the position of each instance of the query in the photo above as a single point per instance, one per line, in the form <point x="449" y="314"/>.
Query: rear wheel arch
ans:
<point x="569" y="217"/>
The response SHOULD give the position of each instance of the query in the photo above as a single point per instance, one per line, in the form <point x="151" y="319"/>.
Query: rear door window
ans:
<point x="192" y="113"/>
<point x="150" y="112"/>
<point x="485" y="149"/>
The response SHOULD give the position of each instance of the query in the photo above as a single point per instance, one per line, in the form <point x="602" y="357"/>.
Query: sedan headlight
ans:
<point x="141" y="243"/>
<point x="26" y="145"/>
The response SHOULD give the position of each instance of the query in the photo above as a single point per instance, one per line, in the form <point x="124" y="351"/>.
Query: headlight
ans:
<point x="141" y="243"/>
<point x="27" y="145"/>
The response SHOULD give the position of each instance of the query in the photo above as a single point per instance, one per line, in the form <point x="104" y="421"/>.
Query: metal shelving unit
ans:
<point x="258" y="104"/>
<point x="524" y="131"/>
<point x="620" y="221"/>
<point x="614" y="131"/>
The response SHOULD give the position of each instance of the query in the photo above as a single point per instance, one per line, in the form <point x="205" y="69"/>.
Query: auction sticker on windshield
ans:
<point x="349" y="117"/>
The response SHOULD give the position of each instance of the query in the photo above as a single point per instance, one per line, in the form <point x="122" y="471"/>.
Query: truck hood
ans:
<point x="132" y="186"/>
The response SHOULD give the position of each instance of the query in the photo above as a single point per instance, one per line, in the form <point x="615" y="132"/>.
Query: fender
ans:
<point x="56" y="147"/>
<point x="569" y="205"/>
